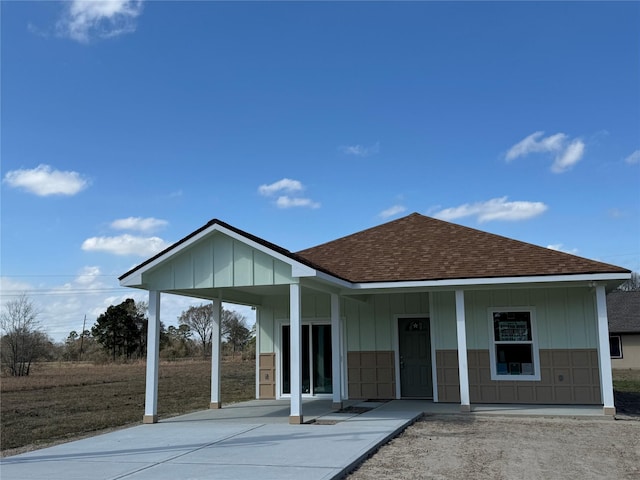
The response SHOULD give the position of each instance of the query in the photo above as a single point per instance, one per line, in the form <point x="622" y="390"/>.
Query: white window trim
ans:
<point x="278" y="351"/>
<point x="619" y="337"/>
<point x="534" y="343"/>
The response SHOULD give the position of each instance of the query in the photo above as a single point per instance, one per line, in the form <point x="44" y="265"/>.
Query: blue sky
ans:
<point x="126" y="125"/>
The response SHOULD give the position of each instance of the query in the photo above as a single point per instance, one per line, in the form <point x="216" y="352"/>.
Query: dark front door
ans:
<point x="414" y="341"/>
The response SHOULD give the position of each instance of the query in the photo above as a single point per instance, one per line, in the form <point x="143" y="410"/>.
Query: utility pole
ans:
<point x="82" y="335"/>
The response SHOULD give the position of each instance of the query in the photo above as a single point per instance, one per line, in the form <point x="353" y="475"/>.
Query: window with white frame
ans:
<point x="514" y="349"/>
<point x="615" y="346"/>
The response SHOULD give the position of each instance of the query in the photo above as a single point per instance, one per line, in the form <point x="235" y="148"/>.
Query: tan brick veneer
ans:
<point x="267" y="382"/>
<point x="566" y="377"/>
<point x="371" y="375"/>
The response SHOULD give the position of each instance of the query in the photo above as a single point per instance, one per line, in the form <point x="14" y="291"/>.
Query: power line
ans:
<point x="54" y="292"/>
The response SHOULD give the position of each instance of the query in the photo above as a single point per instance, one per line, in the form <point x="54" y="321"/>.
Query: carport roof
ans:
<point x="420" y="248"/>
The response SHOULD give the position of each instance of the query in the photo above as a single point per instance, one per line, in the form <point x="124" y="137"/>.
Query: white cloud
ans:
<point x="125" y="245"/>
<point x="535" y="144"/>
<point x="15" y="287"/>
<point x="285" y="201"/>
<point x="284" y="185"/>
<point x="559" y="247"/>
<point x="84" y="20"/>
<point x="62" y="308"/>
<point x="391" y="211"/>
<point x="569" y="157"/>
<point x="566" y="154"/>
<point x="494" y="209"/>
<point x="633" y="158"/>
<point x="44" y="181"/>
<point x="89" y="277"/>
<point x="139" y="224"/>
<point x="360" y="150"/>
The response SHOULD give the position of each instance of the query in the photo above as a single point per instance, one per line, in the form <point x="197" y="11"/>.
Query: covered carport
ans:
<point x="220" y="263"/>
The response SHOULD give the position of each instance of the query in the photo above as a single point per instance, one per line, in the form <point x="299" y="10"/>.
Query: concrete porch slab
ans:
<point x="246" y="440"/>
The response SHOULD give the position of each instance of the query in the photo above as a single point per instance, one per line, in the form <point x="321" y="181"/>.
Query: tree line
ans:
<point x="119" y="334"/>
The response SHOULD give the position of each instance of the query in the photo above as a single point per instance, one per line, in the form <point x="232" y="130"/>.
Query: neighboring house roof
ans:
<point x="417" y="247"/>
<point x="624" y="311"/>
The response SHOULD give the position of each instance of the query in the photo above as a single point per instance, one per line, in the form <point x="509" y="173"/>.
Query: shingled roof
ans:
<point x="623" y="310"/>
<point x="417" y="247"/>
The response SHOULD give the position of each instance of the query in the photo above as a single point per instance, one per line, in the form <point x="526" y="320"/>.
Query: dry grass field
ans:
<point x="61" y="401"/>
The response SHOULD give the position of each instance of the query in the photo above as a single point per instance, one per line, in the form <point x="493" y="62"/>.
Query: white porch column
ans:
<point x="609" y="407"/>
<point x="336" y="351"/>
<point x="257" y="326"/>
<point x="216" y="402"/>
<point x="153" y="359"/>
<point x="463" y="370"/>
<point x="296" y="354"/>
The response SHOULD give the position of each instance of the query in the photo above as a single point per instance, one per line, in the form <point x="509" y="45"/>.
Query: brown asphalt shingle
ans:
<point x="417" y="247"/>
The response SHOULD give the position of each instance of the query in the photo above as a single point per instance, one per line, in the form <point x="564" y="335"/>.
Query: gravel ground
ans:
<point x="500" y="447"/>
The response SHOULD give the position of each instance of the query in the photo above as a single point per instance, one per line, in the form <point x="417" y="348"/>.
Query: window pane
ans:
<point x="321" y="337"/>
<point x="614" y="346"/>
<point x="286" y="359"/>
<point x="514" y="359"/>
<point x="512" y="326"/>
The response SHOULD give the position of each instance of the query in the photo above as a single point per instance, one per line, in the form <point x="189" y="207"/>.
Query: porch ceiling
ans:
<point x="250" y="295"/>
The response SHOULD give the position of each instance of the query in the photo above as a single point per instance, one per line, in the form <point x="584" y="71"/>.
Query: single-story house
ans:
<point x="624" y="328"/>
<point x="413" y="308"/>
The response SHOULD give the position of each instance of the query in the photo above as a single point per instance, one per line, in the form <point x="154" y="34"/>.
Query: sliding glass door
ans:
<point x="316" y="359"/>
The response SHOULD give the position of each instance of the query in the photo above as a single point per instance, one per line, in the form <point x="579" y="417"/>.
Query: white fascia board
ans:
<point x="133" y="280"/>
<point x="475" y="282"/>
<point x="297" y="269"/>
<point x="333" y="280"/>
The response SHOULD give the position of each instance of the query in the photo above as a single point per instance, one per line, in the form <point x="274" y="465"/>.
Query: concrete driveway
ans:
<point x="245" y="440"/>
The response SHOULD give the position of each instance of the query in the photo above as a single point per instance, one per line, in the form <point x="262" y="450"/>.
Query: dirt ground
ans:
<point x="500" y="447"/>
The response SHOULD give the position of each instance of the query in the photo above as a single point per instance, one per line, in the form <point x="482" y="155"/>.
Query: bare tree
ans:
<point x="233" y="326"/>
<point x="200" y="320"/>
<point x="235" y="330"/>
<point x="21" y="340"/>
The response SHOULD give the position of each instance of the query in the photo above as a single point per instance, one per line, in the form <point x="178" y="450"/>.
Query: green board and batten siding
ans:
<point x="369" y="326"/>
<point x="218" y="261"/>
<point x="565" y="318"/>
